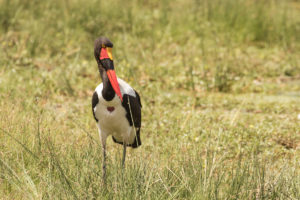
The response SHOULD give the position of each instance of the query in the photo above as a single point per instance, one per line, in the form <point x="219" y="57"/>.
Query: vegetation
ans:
<point x="219" y="82"/>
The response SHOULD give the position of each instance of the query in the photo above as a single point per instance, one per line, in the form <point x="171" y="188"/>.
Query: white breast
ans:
<point x="114" y="123"/>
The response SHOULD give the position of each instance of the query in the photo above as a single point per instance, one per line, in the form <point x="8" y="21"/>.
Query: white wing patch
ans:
<point x="99" y="89"/>
<point x="126" y="88"/>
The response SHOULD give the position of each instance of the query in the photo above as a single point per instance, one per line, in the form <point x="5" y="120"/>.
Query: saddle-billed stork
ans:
<point x="116" y="105"/>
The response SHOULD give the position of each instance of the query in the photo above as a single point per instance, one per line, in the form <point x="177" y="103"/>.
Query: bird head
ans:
<point x="103" y="56"/>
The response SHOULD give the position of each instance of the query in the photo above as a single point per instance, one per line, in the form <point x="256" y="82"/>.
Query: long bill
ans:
<point x="114" y="82"/>
<point x="107" y="60"/>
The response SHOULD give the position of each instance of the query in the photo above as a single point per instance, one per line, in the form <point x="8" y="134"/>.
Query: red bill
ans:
<point x="114" y="82"/>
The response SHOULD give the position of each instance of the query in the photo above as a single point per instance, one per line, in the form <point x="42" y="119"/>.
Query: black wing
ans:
<point x="133" y="107"/>
<point x="95" y="101"/>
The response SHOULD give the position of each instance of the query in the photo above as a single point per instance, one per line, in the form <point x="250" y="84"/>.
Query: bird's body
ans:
<point x="111" y="116"/>
<point x="116" y="105"/>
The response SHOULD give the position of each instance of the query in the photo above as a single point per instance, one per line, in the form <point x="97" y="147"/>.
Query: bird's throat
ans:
<point x="108" y="92"/>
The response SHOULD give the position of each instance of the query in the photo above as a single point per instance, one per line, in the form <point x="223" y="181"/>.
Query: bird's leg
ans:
<point x="124" y="154"/>
<point x="103" y="137"/>
<point x="104" y="163"/>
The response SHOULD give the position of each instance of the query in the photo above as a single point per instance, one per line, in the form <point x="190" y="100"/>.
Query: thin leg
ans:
<point x="103" y="137"/>
<point x="104" y="164"/>
<point x="124" y="154"/>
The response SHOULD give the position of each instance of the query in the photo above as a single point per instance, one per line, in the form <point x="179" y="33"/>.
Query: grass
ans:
<point x="219" y="82"/>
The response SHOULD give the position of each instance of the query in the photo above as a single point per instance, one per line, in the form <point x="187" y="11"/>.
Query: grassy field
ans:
<point x="220" y="88"/>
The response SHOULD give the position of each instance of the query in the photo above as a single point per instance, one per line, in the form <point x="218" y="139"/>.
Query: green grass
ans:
<point x="220" y="88"/>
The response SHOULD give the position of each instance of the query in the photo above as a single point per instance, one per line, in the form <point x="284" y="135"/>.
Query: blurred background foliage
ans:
<point x="204" y="45"/>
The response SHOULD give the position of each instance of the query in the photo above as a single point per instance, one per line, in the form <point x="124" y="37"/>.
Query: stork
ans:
<point x="116" y="105"/>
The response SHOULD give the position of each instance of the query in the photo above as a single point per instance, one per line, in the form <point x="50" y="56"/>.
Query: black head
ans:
<point x="102" y="42"/>
<point x="103" y="56"/>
